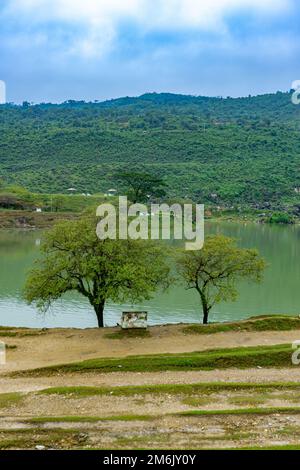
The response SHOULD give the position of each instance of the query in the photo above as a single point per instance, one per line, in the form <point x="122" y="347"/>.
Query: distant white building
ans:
<point x="72" y="190"/>
<point x="112" y="192"/>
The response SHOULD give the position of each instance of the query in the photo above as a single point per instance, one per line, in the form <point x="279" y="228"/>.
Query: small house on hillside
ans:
<point x="112" y="192"/>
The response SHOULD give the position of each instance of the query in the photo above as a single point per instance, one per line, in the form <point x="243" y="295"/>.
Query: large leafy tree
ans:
<point x="75" y="259"/>
<point x="141" y="186"/>
<point x="214" y="271"/>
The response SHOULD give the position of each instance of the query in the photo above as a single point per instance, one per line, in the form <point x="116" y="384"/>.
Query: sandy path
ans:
<point x="43" y="348"/>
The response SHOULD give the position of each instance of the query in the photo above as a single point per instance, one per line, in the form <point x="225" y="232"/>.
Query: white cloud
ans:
<point x="99" y="20"/>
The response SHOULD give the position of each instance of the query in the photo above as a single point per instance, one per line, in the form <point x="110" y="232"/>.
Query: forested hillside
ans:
<point x="225" y="151"/>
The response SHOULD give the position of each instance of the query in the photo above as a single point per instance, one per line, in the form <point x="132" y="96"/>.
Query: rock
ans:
<point x="38" y="447"/>
<point x="82" y="437"/>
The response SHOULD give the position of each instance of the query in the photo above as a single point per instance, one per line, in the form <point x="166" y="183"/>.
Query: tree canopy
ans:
<point x="214" y="271"/>
<point x="74" y="259"/>
<point x="141" y="187"/>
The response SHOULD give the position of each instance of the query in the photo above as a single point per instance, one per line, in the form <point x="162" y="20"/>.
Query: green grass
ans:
<point x="262" y="323"/>
<point x="88" y="419"/>
<point x="249" y="399"/>
<point x="16" y="443"/>
<point x="19" y="334"/>
<point x="197" y="401"/>
<point x="10" y="399"/>
<point x="8" y="334"/>
<point x="242" y="411"/>
<point x="124" y="334"/>
<point x="241" y="358"/>
<point x="170" y="389"/>
<point x="294" y="398"/>
<point x="29" y="438"/>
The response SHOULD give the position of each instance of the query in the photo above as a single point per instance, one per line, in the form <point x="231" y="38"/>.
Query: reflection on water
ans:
<point x="279" y="293"/>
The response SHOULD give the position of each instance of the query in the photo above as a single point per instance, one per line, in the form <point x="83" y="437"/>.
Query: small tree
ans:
<point x="214" y="270"/>
<point x="57" y="203"/>
<point x="101" y="270"/>
<point x="142" y="185"/>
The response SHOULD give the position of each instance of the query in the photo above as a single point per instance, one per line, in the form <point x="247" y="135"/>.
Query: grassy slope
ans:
<point x="247" y="357"/>
<point x="259" y="323"/>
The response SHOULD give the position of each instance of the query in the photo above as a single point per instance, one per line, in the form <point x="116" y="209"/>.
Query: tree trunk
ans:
<point x="205" y="307"/>
<point x="205" y="315"/>
<point x="99" y="310"/>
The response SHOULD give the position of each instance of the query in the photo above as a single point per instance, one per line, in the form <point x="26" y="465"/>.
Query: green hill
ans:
<point x="243" y="151"/>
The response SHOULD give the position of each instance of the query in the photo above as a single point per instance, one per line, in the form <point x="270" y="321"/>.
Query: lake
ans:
<point x="278" y="293"/>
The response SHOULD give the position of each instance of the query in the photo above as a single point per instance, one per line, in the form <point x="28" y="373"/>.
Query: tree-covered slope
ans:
<point x="226" y="151"/>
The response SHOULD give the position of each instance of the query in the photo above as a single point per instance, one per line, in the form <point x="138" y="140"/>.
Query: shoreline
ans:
<point x="30" y="220"/>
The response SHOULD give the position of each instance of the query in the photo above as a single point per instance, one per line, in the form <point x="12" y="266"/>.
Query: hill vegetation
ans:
<point x="226" y="152"/>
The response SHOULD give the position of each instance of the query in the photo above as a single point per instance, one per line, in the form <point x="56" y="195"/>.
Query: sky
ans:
<point x="55" y="50"/>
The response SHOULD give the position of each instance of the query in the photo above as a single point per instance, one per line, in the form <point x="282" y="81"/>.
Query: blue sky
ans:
<point x="53" y="50"/>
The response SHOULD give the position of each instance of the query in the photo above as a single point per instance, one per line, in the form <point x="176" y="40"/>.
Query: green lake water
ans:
<point x="278" y="293"/>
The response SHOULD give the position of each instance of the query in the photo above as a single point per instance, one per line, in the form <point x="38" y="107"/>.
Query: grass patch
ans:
<point x="241" y="411"/>
<point x="203" y="388"/>
<point x="8" y="334"/>
<point x="88" y="419"/>
<point x="132" y="333"/>
<point x="262" y="323"/>
<point x="294" y="398"/>
<point x="197" y="401"/>
<point x="18" y="334"/>
<point x="17" y="443"/>
<point x="29" y="438"/>
<point x="10" y="399"/>
<point x="249" y="400"/>
<point x="242" y="358"/>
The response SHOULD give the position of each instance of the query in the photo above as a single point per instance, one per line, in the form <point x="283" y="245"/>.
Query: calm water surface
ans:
<point x="279" y="292"/>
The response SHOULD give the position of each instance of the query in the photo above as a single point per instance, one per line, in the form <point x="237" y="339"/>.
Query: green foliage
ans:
<point x="75" y="259"/>
<point x="140" y="187"/>
<point x="214" y="270"/>
<point x="280" y="218"/>
<point x="221" y="151"/>
<point x="17" y="197"/>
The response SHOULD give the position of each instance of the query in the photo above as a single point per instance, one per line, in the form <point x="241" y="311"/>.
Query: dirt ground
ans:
<point x="41" y="348"/>
<point x="149" y="420"/>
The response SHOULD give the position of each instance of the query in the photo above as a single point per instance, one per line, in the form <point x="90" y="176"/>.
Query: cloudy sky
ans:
<point x="53" y="50"/>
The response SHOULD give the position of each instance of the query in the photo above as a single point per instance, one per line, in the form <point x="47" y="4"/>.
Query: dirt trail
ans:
<point x="115" y="379"/>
